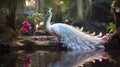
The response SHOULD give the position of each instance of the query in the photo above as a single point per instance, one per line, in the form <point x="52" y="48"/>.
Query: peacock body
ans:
<point x="73" y="38"/>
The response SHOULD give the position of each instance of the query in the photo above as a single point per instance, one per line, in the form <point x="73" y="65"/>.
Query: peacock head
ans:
<point x="49" y="12"/>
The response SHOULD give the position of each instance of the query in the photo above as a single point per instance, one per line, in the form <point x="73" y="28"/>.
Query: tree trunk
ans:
<point x="40" y="5"/>
<point x="58" y="14"/>
<point x="84" y="9"/>
<point x="113" y="44"/>
<point x="8" y="31"/>
<point x="87" y="8"/>
<point x="114" y="41"/>
<point x="80" y="9"/>
<point x="116" y="10"/>
<point x="12" y="14"/>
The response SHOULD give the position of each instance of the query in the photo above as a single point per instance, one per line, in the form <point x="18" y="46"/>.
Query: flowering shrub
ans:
<point x="26" y="26"/>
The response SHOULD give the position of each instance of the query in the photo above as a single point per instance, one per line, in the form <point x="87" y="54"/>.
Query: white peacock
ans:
<point x="73" y="38"/>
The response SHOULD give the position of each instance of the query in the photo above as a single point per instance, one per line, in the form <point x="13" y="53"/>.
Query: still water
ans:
<point x="98" y="58"/>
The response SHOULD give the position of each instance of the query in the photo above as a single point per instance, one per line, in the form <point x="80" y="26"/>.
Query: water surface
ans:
<point x="97" y="58"/>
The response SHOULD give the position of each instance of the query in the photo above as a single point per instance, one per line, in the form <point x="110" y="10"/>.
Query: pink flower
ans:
<point x="26" y="61"/>
<point x="105" y="57"/>
<point x="26" y="65"/>
<point x="105" y="37"/>
<point x="26" y="26"/>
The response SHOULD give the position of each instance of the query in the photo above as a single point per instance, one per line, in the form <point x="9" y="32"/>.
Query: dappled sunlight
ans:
<point x="30" y="3"/>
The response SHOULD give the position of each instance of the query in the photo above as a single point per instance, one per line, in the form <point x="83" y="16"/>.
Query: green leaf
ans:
<point x="111" y="27"/>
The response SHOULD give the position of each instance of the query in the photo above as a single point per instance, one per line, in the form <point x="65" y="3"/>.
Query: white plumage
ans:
<point x="73" y="38"/>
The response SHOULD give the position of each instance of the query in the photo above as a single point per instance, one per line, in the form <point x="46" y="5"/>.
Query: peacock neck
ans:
<point x="48" y="22"/>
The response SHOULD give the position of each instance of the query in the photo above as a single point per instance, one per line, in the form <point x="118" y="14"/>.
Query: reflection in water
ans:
<point x="76" y="58"/>
<point x="8" y="59"/>
<point x="114" y="55"/>
<point x="64" y="59"/>
<point x="52" y="59"/>
<point x="26" y="61"/>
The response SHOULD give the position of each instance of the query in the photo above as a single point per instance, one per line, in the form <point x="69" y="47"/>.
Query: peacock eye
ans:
<point x="48" y="13"/>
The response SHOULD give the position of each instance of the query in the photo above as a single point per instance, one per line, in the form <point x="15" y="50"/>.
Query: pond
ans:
<point x="98" y="58"/>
